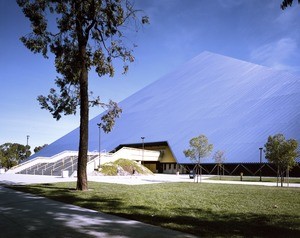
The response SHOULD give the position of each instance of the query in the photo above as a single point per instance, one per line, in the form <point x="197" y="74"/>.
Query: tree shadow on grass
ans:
<point x="26" y="215"/>
<point x="200" y="222"/>
<point x="70" y="196"/>
<point x="211" y="224"/>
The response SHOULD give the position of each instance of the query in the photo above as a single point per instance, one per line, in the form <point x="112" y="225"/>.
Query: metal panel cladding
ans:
<point x="236" y="104"/>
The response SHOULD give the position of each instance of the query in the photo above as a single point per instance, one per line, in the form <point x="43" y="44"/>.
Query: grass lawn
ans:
<point x="254" y="179"/>
<point x="206" y="210"/>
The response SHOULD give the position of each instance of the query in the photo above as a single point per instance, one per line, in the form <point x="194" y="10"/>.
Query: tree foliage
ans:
<point x="287" y="3"/>
<point x="12" y="154"/>
<point x="281" y="152"/>
<point x="219" y="157"/>
<point x="108" y="120"/>
<point x="199" y="149"/>
<point x="88" y="35"/>
<point x="38" y="148"/>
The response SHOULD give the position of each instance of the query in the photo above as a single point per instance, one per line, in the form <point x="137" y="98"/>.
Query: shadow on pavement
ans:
<point x="26" y="215"/>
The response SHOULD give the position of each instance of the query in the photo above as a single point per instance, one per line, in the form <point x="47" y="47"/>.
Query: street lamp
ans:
<point x="27" y="139"/>
<point x="143" y="138"/>
<point x="260" y="158"/>
<point x="27" y="146"/>
<point x="99" y="126"/>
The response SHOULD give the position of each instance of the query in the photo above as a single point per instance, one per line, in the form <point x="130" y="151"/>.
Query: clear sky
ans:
<point x="252" y="30"/>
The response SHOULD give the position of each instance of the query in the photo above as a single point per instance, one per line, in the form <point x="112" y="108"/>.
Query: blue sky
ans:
<point x="251" y="30"/>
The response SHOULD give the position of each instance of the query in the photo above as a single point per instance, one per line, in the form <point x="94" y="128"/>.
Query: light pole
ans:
<point x="260" y="158"/>
<point x="143" y="138"/>
<point x="27" y="146"/>
<point x="99" y="126"/>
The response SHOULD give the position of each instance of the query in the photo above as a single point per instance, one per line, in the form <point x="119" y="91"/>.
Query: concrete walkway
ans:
<point x="21" y="179"/>
<point x="25" y="215"/>
<point x="269" y="184"/>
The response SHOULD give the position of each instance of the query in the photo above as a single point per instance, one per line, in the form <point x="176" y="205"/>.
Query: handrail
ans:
<point x="125" y="152"/>
<point x="54" y="158"/>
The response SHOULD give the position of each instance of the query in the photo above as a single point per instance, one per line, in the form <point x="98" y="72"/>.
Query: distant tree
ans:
<point x="2" y="160"/>
<point x="38" y="148"/>
<point x="12" y="154"/>
<point x="287" y="3"/>
<point x="199" y="149"/>
<point x="219" y="158"/>
<point x="88" y="35"/>
<point x="282" y="153"/>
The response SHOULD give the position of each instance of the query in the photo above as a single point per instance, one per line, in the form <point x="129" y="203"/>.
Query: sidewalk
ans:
<point x="269" y="184"/>
<point x="26" y="215"/>
<point x="22" y="179"/>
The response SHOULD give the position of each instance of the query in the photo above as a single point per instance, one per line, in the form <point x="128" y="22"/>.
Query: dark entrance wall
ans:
<point x="252" y="169"/>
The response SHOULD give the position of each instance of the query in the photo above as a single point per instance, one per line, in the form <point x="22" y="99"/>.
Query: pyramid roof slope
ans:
<point x="236" y="104"/>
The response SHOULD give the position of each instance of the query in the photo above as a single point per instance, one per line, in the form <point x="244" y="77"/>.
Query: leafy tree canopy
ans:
<point x="199" y="148"/>
<point x="92" y="26"/>
<point x="287" y="3"/>
<point x="219" y="157"/>
<point x="38" y="148"/>
<point x="88" y="35"/>
<point x="12" y="154"/>
<point x="281" y="152"/>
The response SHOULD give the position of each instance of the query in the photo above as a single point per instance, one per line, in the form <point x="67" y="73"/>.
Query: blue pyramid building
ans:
<point x="236" y="104"/>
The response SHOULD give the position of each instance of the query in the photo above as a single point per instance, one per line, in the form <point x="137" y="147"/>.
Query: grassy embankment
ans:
<point x="123" y="167"/>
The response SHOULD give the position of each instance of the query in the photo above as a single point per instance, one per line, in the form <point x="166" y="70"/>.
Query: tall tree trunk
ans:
<point x="281" y="177"/>
<point x="200" y="173"/>
<point x="277" y="175"/>
<point x="82" y="183"/>
<point x="288" y="176"/>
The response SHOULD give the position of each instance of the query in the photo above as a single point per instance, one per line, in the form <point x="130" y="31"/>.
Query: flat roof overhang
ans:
<point x="139" y="145"/>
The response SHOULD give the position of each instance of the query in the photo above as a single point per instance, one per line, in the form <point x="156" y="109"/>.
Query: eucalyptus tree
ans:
<point x="282" y="153"/>
<point x="219" y="158"/>
<point x="40" y="147"/>
<point x="198" y="150"/>
<point x="12" y="154"/>
<point x="287" y="3"/>
<point x="83" y="36"/>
